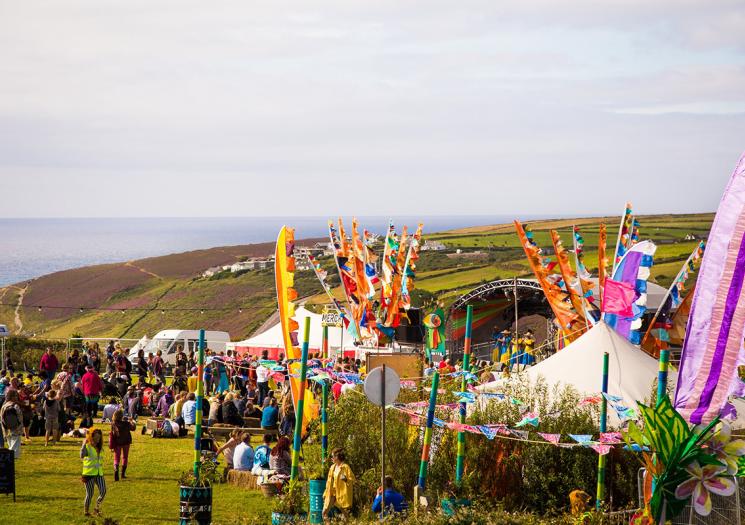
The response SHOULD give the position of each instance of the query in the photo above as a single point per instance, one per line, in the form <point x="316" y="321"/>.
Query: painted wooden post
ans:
<point x="297" y="438"/>
<point x="325" y="343"/>
<point x="662" y="375"/>
<point x="428" y="431"/>
<point x="460" y="460"/>
<point x="198" y="415"/>
<point x="600" y="492"/>
<point x="324" y="421"/>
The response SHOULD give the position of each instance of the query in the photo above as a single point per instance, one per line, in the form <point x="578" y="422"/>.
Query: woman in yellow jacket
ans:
<point x="339" y="485"/>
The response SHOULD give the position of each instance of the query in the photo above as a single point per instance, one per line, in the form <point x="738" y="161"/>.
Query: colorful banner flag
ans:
<point x="619" y="297"/>
<point x="712" y="349"/>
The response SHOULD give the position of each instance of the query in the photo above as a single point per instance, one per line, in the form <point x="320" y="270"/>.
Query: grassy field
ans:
<point x="50" y="491"/>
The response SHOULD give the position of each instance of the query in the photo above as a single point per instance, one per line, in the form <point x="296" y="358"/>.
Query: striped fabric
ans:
<point x="713" y="346"/>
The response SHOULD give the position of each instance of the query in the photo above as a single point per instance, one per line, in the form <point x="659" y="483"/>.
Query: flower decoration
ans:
<point x="726" y="449"/>
<point x="704" y="480"/>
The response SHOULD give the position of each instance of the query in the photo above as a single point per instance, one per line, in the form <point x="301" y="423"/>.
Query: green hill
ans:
<point x="148" y="295"/>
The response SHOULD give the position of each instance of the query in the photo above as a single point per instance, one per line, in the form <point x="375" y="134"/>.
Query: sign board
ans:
<point x="7" y="472"/>
<point x="4" y="332"/>
<point x="376" y="386"/>
<point x="331" y="318"/>
<point x="405" y="365"/>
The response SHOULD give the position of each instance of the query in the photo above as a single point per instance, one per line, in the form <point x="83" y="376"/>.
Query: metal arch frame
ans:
<point x="492" y="286"/>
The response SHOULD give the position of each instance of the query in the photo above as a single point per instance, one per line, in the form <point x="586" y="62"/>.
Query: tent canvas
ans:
<point x="271" y="339"/>
<point x="631" y="372"/>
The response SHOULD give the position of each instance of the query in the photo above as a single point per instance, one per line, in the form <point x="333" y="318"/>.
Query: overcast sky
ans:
<point x="191" y="108"/>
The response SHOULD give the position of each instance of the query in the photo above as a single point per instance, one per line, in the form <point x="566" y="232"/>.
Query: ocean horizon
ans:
<point x="32" y="247"/>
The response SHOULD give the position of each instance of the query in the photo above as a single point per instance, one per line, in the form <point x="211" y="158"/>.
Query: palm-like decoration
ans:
<point x="673" y="448"/>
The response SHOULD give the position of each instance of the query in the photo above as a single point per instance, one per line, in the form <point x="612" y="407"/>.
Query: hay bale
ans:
<point x="243" y="479"/>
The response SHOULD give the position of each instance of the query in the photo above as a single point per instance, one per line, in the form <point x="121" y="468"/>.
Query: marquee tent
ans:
<point x="271" y="339"/>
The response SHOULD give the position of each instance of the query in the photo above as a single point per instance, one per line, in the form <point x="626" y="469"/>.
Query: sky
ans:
<point x="244" y="108"/>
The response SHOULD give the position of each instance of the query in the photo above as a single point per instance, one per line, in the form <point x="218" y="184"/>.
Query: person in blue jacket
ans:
<point x="393" y="499"/>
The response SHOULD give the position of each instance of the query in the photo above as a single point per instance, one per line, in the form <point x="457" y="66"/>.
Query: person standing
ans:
<point x="91" y="453"/>
<point x="158" y="367"/>
<point x="262" y="381"/>
<point x="181" y="361"/>
<point x="92" y="387"/>
<point x="49" y="363"/>
<point x="120" y="439"/>
<point x="11" y="419"/>
<point x="51" y="409"/>
<point x="142" y="367"/>
<point x="339" y="486"/>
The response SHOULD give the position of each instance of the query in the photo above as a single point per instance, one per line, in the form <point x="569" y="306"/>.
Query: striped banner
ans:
<point x="712" y="347"/>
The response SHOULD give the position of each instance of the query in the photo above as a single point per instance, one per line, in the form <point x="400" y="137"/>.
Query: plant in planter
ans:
<point x="289" y="507"/>
<point x="195" y="491"/>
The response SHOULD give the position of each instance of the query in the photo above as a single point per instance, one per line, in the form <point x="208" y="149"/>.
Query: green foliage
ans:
<point x="208" y="474"/>
<point x="293" y="499"/>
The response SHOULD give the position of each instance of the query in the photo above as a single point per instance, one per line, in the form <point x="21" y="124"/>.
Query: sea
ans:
<point x="31" y="248"/>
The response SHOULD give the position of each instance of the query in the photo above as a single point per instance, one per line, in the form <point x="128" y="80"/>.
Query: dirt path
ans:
<point x="143" y="270"/>
<point x="18" y="322"/>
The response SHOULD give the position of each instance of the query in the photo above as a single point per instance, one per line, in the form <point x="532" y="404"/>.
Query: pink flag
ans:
<point x="610" y="438"/>
<point x="551" y="438"/>
<point x="601" y="449"/>
<point x="618" y="297"/>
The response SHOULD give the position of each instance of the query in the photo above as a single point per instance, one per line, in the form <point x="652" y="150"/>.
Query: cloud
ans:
<point x="467" y="107"/>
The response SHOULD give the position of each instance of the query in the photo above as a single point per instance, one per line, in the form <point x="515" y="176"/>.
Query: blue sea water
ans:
<point x="33" y="247"/>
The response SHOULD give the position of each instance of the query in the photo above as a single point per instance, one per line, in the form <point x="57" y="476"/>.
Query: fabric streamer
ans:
<point x="712" y="349"/>
<point x="551" y="438"/>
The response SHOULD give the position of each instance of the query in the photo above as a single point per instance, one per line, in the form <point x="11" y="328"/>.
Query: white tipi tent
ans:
<point x="631" y="372"/>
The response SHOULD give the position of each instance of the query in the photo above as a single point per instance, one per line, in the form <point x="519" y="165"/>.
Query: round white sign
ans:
<point x="376" y="386"/>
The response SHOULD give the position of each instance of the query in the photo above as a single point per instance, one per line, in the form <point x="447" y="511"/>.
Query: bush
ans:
<point x="515" y="474"/>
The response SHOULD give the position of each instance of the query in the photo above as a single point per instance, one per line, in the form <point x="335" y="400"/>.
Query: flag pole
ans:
<point x="600" y="492"/>
<point x="198" y="414"/>
<point x="324" y="421"/>
<point x="461" y="454"/>
<point x="428" y="431"/>
<point x="296" y="441"/>
<point x="662" y="375"/>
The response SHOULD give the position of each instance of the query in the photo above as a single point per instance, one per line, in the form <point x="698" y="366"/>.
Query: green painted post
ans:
<point x="428" y="431"/>
<point x="324" y="421"/>
<point x="297" y="438"/>
<point x="662" y="375"/>
<point x="198" y="415"/>
<point x="600" y="492"/>
<point x="460" y="460"/>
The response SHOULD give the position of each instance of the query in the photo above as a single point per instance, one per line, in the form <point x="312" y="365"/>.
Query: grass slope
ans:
<point x="50" y="491"/>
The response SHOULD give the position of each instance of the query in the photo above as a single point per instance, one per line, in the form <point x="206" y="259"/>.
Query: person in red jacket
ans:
<point x="92" y="387"/>
<point x="49" y="363"/>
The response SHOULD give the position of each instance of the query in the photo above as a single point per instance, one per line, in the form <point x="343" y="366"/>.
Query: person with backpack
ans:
<point x="92" y="455"/>
<point x="120" y="439"/>
<point x="11" y="418"/>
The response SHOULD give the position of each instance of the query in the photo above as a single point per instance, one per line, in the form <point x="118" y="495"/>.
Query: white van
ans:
<point x="167" y="341"/>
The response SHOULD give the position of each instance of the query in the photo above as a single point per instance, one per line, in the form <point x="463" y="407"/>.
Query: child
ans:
<point x="91" y="454"/>
<point x="51" y="408"/>
<point x="120" y="439"/>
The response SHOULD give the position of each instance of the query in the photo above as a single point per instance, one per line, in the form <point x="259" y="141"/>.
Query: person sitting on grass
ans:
<point x="261" y="455"/>
<point x="252" y="411"/>
<point x="393" y="500"/>
<point x="91" y="453"/>
<point x="189" y="409"/>
<point x="280" y="459"/>
<point x="243" y="456"/>
<point x="269" y="415"/>
<point x="228" y="450"/>
<point x="51" y="408"/>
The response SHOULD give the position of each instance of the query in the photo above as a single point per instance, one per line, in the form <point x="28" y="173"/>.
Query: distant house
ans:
<point x="432" y="246"/>
<point x="209" y="272"/>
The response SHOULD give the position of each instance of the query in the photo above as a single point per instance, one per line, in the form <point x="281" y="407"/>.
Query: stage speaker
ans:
<point x="412" y="330"/>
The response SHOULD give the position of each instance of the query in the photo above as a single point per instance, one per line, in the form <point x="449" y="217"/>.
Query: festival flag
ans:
<point x="582" y="439"/>
<point x="556" y="297"/>
<point x="602" y="261"/>
<point x="601" y="449"/>
<point x="388" y="270"/>
<point x="321" y="275"/>
<point x="551" y="438"/>
<point x="624" y="235"/>
<point x="712" y="349"/>
<point x="584" y="275"/>
<point x="619" y="296"/>
<point x="393" y="316"/>
<point x="284" y="277"/>
<point x="633" y="269"/>
<point x="435" y="325"/>
<point x="407" y="278"/>
<point x="571" y="283"/>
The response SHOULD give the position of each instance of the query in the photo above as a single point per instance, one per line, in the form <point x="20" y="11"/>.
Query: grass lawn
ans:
<point x="49" y="490"/>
